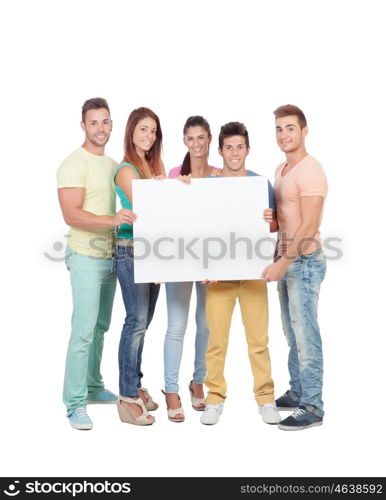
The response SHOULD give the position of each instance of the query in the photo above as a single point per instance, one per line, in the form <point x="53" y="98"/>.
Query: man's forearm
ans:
<point x="303" y="238"/>
<point x="88" y="221"/>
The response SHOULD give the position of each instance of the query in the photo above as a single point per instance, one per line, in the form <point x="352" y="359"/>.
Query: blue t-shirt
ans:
<point x="271" y="196"/>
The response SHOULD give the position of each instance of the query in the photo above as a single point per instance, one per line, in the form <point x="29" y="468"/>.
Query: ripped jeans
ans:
<point x="298" y="295"/>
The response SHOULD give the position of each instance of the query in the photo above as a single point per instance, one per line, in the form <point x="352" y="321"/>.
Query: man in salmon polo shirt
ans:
<point x="87" y="199"/>
<point x="300" y="190"/>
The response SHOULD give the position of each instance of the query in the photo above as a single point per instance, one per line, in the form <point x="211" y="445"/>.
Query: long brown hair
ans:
<point x="153" y="156"/>
<point x="193" y="121"/>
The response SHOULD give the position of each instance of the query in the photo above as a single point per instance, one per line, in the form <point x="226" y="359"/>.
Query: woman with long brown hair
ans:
<point x="142" y="160"/>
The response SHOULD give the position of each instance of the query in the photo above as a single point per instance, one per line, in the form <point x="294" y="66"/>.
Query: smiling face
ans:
<point x="289" y="135"/>
<point x="234" y="152"/>
<point x="97" y="126"/>
<point x="197" y="141"/>
<point x="144" y="135"/>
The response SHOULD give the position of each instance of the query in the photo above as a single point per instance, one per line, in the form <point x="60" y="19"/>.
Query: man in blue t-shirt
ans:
<point x="252" y="295"/>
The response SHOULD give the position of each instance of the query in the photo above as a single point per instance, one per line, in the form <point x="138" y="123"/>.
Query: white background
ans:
<point x="226" y="60"/>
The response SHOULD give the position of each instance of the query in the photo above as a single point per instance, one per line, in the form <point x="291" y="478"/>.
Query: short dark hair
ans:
<point x="94" y="103"/>
<point x="230" y="129"/>
<point x="291" y="110"/>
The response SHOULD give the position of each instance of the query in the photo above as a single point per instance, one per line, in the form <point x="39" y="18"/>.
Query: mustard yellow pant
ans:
<point x="220" y="302"/>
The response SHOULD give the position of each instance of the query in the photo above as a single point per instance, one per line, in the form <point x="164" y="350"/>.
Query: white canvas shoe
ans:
<point x="269" y="413"/>
<point x="212" y="414"/>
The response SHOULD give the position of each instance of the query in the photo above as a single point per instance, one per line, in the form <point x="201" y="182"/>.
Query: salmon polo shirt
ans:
<point x="306" y="178"/>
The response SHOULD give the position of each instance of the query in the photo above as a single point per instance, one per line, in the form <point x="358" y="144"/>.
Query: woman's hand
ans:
<point x="124" y="216"/>
<point x="186" y="179"/>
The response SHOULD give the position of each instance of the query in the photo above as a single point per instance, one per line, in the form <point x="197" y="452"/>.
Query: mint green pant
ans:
<point x="93" y="283"/>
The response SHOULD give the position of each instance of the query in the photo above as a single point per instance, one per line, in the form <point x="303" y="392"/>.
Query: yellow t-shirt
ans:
<point x="94" y="174"/>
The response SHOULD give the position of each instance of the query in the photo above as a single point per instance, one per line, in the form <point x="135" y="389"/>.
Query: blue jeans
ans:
<point x="93" y="284"/>
<point x="299" y="294"/>
<point x="140" y="300"/>
<point x="178" y="300"/>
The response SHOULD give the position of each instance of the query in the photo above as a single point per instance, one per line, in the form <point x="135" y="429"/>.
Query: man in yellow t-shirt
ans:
<point x="87" y="199"/>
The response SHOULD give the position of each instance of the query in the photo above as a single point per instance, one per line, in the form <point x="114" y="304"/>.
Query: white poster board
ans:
<point x="212" y="229"/>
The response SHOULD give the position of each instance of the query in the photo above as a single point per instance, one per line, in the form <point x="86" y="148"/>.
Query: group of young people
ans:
<point x="101" y="249"/>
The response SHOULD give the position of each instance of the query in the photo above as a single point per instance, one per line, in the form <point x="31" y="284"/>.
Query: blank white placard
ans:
<point x="212" y="228"/>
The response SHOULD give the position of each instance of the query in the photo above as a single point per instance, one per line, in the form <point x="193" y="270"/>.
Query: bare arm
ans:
<point x="71" y="202"/>
<point x="124" y="179"/>
<point x="310" y="211"/>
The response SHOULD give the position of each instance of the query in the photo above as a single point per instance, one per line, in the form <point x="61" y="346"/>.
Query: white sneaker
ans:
<point x="211" y="414"/>
<point x="269" y="413"/>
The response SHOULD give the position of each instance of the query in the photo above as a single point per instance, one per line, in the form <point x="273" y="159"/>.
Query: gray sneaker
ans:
<point x="212" y="414"/>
